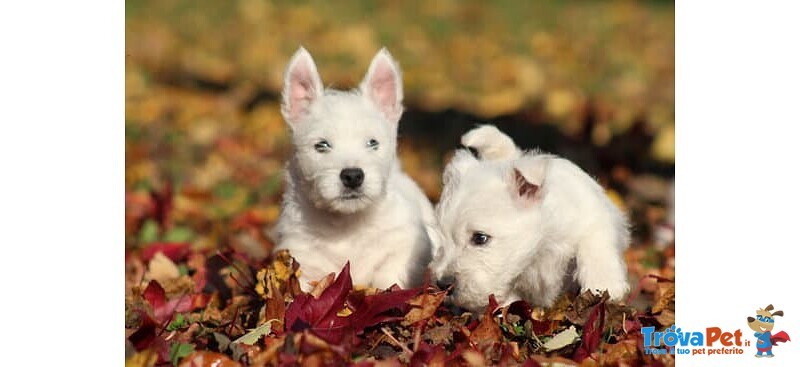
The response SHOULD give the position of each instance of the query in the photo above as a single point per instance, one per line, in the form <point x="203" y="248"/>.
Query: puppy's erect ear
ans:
<point x="301" y="86"/>
<point x="490" y="143"/>
<point x="527" y="177"/>
<point x="383" y="85"/>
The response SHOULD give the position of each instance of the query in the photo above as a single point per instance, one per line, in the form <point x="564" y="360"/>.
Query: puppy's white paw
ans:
<point x="617" y="291"/>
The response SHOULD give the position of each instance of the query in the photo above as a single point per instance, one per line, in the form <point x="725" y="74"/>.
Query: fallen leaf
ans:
<point x="179" y="350"/>
<point x="145" y="358"/>
<point x="162" y="269"/>
<point x="664" y="297"/>
<point x="592" y="332"/>
<point x="253" y="335"/>
<point x="319" y="314"/>
<point x="488" y="331"/>
<point x="374" y="308"/>
<point x="428" y="355"/>
<point x="553" y="361"/>
<point x="562" y="339"/>
<point x="473" y="358"/>
<point x="322" y="284"/>
<point x="666" y="318"/>
<point x="155" y="294"/>
<point x="423" y="307"/>
<point x="208" y="359"/>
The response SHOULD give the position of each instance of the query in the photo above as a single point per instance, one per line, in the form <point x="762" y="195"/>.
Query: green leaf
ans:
<point x="253" y="336"/>
<point x="272" y="185"/>
<point x="179" y="322"/>
<point x="149" y="232"/>
<point x="225" y="190"/>
<point x="179" y="234"/>
<point x="179" y="350"/>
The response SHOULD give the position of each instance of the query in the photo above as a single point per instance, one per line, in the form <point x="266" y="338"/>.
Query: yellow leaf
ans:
<point x="145" y="358"/>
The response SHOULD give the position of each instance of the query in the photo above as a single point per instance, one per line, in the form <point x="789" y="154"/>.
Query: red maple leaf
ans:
<point x="319" y="315"/>
<point x="175" y="251"/>
<point x="592" y="332"/>
<point x="155" y="295"/>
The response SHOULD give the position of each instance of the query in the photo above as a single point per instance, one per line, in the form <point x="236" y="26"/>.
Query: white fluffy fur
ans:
<point x="379" y="227"/>
<point x="567" y="231"/>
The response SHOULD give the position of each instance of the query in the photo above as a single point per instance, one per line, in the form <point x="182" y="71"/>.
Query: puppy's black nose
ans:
<point x="445" y="282"/>
<point x="352" y="177"/>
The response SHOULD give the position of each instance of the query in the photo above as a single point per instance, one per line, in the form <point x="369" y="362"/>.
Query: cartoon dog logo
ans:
<point x="762" y="324"/>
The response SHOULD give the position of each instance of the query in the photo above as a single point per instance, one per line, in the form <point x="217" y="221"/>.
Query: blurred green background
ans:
<point x="590" y="80"/>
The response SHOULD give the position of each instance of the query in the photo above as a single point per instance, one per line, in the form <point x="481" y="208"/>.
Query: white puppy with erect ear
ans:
<point x="346" y="197"/>
<point x="521" y="226"/>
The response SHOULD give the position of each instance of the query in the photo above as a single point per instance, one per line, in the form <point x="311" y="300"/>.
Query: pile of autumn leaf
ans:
<point x="222" y="308"/>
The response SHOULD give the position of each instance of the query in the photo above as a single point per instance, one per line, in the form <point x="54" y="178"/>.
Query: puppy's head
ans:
<point x="345" y="142"/>
<point x="488" y="217"/>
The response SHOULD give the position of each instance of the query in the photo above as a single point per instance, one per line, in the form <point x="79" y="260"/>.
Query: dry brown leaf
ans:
<point x="322" y="284"/>
<point x="488" y="331"/>
<point x="666" y="318"/>
<point x="665" y="297"/>
<point x="423" y="307"/>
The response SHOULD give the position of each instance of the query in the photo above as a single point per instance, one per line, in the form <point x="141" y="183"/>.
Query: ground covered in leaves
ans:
<point x="205" y="144"/>
<point x="187" y="308"/>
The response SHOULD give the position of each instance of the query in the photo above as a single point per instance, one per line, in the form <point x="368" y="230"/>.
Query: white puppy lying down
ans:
<point x="346" y="197"/>
<point x="511" y="224"/>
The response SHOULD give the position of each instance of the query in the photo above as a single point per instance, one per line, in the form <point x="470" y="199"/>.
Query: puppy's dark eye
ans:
<point x="373" y="144"/>
<point x="323" y="146"/>
<point x="479" y="238"/>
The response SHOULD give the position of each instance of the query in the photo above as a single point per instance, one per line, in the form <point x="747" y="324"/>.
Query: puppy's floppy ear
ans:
<point x="490" y="143"/>
<point x="777" y="313"/>
<point x="527" y="177"/>
<point x="301" y="86"/>
<point x="383" y="85"/>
